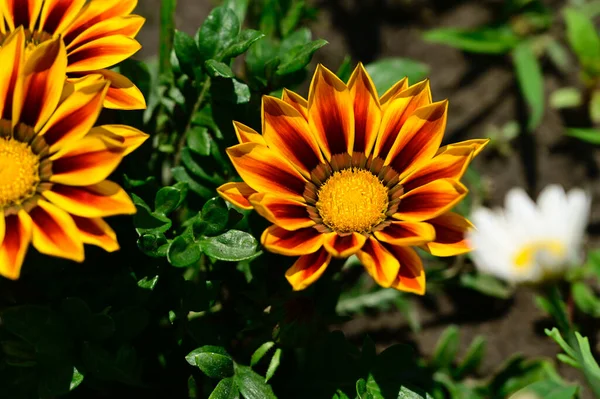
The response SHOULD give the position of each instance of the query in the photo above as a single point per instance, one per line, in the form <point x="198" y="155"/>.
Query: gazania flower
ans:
<point x="348" y="172"/>
<point x="529" y="242"/>
<point x="53" y="164"/>
<point x="98" y="34"/>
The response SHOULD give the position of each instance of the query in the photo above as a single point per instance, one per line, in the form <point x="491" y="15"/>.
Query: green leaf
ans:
<point x="298" y="57"/>
<point x="199" y="140"/>
<point x="76" y="379"/>
<point x="148" y="283"/>
<point x="230" y="91"/>
<point x="27" y="322"/>
<point x="584" y="40"/>
<point x="273" y="365"/>
<point x="361" y="389"/>
<point x="486" y="284"/>
<point x="549" y="389"/>
<point x="233" y="245"/>
<point x="261" y="352"/>
<point x="218" y="31"/>
<point x="215" y="215"/>
<point x="218" y="69"/>
<point x="167" y="29"/>
<point x="252" y="385"/>
<point x="531" y="82"/>
<point x="345" y="69"/>
<point x="145" y="221"/>
<point x="187" y="52"/>
<point x="242" y="43"/>
<point x="586" y="134"/>
<point x="180" y="174"/>
<point x="567" y="97"/>
<point x="183" y="251"/>
<point x="446" y="348"/>
<point x="472" y="359"/>
<point x="239" y="7"/>
<point x="225" y="389"/>
<point x="595" y="107"/>
<point x="386" y="72"/>
<point x="212" y="361"/>
<point x="585" y="299"/>
<point x="292" y="17"/>
<point x="486" y="40"/>
<point x="168" y="199"/>
<point x="153" y="244"/>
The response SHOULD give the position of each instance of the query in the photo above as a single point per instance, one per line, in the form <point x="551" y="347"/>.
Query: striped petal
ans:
<point x="419" y="138"/>
<point x="128" y="26"/>
<point x="344" y="246"/>
<point x="451" y="162"/>
<point x="11" y="76"/>
<point x="285" y="213"/>
<point x="431" y="200"/>
<point x="97" y="232"/>
<point x="57" y="15"/>
<point x="122" y="93"/>
<point x="102" y="53"/>
<point x="292" y="243"/>
<point x="44" y="80"/>
<point x="411" y="276"/>
<point x="15" y="244"/>
<point x="75" y="116"/>
<point x="2" y="225"/>
<point x="286" y="131"/>
<point x="125" y="136"/>
<point x="21" y="12"/>
<point x="396" y="113"/>
<point x="246" y="134"/>
<point x="296" y="101"/>
<point x="450" y="230"/>
<point x="237" y="193"/>
<point x="307" y="269"/>
<point x="406" y="233"/>
<point x="393" y="91"/>
<point x="99" y="200"/>
<point x="330" y="113"/>
<point x="85" y="162"/>
<point x="266" y="171"/>
<point x="54" y="232"/>
<point x="379" y="262"/>
<point x="367" y="111"/>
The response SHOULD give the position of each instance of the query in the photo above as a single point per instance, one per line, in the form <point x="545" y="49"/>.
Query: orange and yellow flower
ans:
<point x="348" y="172"/>
<point x="97" y="34"/>
<point x="53" y="162"/>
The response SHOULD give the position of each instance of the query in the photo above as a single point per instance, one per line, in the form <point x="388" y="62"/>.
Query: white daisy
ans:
<point x="529" y="242"/>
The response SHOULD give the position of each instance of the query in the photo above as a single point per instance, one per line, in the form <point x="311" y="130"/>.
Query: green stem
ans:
<point x="560" y="314"/>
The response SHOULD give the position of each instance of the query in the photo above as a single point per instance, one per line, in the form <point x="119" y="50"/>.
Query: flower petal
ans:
<point x="344" y="246"/>
<point x="285" y="213"/>
<point x="57" y="15"/>
<point x="396" y="113"/>
<point x="20" y="12"/>
<point x="379" y="262"/>
<point x="99" y="200"/>
<point x="367" y="111"/>
<point x="128" y="26"/>
<point x="44" y="80"/>
<point x="450" y="230"/>
<point x="451" y="162"/>
<point x="296" y="101"/>
<point x="75" y="116"/>
<point x="11" y="76"/>
<point x="237" y="194"/>
<point x="331" y="113"/>
<point x="2" y="225"/>
<point x="419" y="138"/>
<point x="125" y="136"/>
<point x="411" y="276"/>
<point x="55" y="232"/>
<point x="246" y="134"/>
<point x="122" y="93"/>
<point x="266" y="171"/>
<point x="15" y="244"/>
<point x="97" y="232"/>
<point x="391" y="93"/>
<point x="406" y="233"/>
<point x="102" y="53"/>
<point x="307" y="269"/>
<point x="292" y="243"/>
<point x="431" y="200"/>
<point x="286" y="131"/>
<point x="85" y="162"/>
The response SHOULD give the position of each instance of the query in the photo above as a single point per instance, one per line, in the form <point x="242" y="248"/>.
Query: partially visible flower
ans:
<point x="349" y="172"/>
<point x="53" y="162"/>
<point x="528" y="242"/>
<point x="98" y="34"/>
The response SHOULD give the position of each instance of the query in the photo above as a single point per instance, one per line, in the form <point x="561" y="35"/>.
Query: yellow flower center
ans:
<point x="528" y="253"/>
<point x="19" y="172"/>
<point x="352" y="200"/>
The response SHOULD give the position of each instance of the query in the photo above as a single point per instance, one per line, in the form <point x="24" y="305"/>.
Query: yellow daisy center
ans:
<point x="352" y="200"/>
<point x="527" y="254"/>
<point x="19" y="172"/>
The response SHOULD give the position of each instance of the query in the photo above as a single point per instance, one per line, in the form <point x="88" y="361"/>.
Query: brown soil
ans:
<point x="482" y="92"/>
